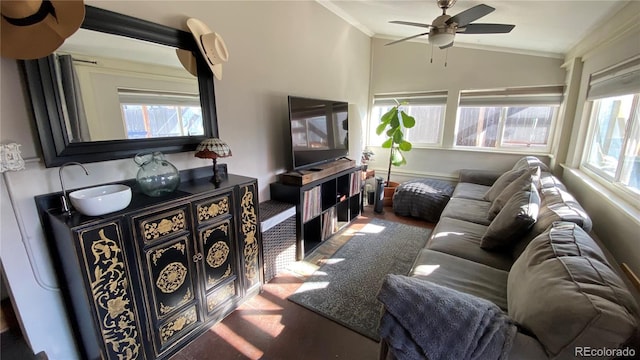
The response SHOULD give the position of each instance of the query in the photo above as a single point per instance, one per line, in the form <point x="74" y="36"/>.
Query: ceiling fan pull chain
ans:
<point x="446" y="56"/>
<point x="431" y="54"/>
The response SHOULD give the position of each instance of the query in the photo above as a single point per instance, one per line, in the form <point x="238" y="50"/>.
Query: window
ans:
<point x="512" y="118"/>
<point x="427" y="108"/>
<point x="150" y="114"/>
<point x="612" y="151"/>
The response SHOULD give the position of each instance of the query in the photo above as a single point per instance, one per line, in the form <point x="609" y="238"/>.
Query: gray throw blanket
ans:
<point x="422" y="320"/>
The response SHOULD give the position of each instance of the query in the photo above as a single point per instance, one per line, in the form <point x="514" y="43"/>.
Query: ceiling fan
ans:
<point x="443" y="29"/>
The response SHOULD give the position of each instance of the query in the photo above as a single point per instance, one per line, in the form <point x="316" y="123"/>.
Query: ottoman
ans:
<point x="422" y="198"/>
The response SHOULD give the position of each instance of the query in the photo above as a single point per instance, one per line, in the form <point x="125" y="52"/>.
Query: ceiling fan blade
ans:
<point x="486" y="29"/>
<point x="447" y="46"/>
<point x="469" y="15"/>
<point x="405" y="39"/>
<point x="410" y="23"/>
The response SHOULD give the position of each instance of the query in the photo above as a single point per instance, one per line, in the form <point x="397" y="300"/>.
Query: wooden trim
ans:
<point x="631" y="275"/>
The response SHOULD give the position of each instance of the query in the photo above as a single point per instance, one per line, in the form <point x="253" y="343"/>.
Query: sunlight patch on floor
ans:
<point x="237" y="341"/>
<point x="371" y="229"/>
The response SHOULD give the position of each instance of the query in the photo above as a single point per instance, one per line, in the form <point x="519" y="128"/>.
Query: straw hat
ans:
<point x="210" y="44"/>
<point x="33" y="29"/>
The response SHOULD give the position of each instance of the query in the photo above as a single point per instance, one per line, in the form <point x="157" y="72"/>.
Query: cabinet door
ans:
<point x="218" y="253"/>
<point x="250" y="239"/>
<point x="109" y="289"/>
<point x="171" y="289"/>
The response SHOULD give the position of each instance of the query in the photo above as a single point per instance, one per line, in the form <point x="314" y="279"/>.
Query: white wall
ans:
<point x="617" y="226"/>
<point x="406" y="67"/>
<point x="277" y="48"/>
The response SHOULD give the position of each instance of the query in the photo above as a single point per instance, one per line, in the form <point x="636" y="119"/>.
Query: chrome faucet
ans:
<point x="65" y="202"/>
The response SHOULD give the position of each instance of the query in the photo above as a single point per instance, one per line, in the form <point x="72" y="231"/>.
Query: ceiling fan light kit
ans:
<point x="441" y="36"/>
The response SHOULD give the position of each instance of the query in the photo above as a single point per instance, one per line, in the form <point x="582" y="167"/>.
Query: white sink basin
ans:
<point x="101" y="200"/>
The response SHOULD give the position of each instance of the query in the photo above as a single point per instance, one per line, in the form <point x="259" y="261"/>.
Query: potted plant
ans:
<point x="392" y="124"/>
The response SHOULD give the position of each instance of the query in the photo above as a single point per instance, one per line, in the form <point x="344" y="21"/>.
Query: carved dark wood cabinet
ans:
<point x="143" y="282"/>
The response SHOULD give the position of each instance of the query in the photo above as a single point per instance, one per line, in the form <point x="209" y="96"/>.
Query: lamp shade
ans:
<point x="212" y="148"/>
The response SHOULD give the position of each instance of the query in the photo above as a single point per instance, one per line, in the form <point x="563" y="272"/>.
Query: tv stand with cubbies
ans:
<point x="323" y="206"/>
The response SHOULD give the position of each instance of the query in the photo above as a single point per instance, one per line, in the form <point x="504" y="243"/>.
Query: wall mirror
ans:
<point x="116" y="88"/>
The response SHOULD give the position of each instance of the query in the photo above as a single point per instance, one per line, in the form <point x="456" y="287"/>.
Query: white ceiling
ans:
<point x="549" y="28"/>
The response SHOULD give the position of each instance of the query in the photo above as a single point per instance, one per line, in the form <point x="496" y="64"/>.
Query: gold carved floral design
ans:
<point x="157" y="254"/>
<point x="221" y="295"/>
<point x="154" y="229"/>
<point x="217" y="254"/>
<point x="174" y="326"/>
<point x="171" y="277"/>
<point x="206" y="212"/>
<point x="249" y="230"/>
<point x="110" y="290"/>
<point x="227" y="273"/>
<point x="165" y="309"/>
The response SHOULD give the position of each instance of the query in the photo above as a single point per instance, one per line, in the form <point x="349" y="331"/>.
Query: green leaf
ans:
<point x="395" y="122"/>
<point x="389" y="114"/>
<point x="396" y="157"/>
<point x="387" y="143"/>
<point x="405" y="146"/>
<point x="381" y="128"/>
<point x="397" y="137"/>
<point x="407" y="120"/>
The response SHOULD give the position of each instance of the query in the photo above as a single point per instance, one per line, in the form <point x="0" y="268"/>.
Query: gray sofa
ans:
<point x="520" y="240"/>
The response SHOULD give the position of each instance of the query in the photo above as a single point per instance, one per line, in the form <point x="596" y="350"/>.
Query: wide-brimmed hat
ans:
<point x="211" y="45"/>
<point x="188" y="61"/>
<point x="33" y="29"/>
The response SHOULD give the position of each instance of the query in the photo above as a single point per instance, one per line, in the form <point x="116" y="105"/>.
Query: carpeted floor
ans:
<point x="344" y="289"/>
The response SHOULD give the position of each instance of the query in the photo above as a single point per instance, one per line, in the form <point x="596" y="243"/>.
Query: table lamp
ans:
<point x="213" y="148"/>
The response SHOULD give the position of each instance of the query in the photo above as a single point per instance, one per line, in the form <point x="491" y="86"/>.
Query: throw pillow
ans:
<point x="502" y="182"/>
<point x="517" y="216"/>
<point x="531" y="176"/>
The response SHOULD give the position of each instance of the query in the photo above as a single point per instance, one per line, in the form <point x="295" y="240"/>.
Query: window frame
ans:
<point x="612" y="183"/>
<point x="551" y="96"/>
<point x="432" y="98"/>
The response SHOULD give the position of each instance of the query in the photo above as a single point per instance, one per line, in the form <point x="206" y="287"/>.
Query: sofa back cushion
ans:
<point x="529" y="162"/>
<point x="560" y="290"/>
<point x="548" y="180"/>
<point x="502" y="182"/>
<point x="515" y="218"/>
<point x="563" y="239"/>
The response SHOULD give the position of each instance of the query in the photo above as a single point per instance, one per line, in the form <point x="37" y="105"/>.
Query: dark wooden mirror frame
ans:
<point x="47" y="111"/>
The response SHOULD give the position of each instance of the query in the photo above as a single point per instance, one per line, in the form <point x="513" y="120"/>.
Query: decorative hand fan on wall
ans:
<point x="443" y="29"/>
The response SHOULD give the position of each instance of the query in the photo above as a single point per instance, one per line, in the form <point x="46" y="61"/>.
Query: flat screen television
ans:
<point x="319" y="131"/>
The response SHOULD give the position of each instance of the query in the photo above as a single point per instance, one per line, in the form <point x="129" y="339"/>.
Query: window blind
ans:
<point x="421" y="98"/>
<point x="543" y="95"/>
<point x="147" y="97"/>
<point x="621" y="79"/>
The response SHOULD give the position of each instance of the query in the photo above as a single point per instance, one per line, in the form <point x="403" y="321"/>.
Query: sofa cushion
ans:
<point x="470" y="191"/>
<point x="529" y="162"/>
<point x="563" y="239"/>
<point x="462" y="275"/>
<point x="467" y="209"/>
<point x="517" y="216"/>
<point x="531" y="176"/>
<point x="502" y="182"/>
<point x="462" y="239"/>
<point x="569" y="302"/>
<point x="559" y="205"/>
<point x="548" y="180"/>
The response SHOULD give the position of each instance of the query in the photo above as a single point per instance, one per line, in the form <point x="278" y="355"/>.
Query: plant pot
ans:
<point x="389" y="189"/>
